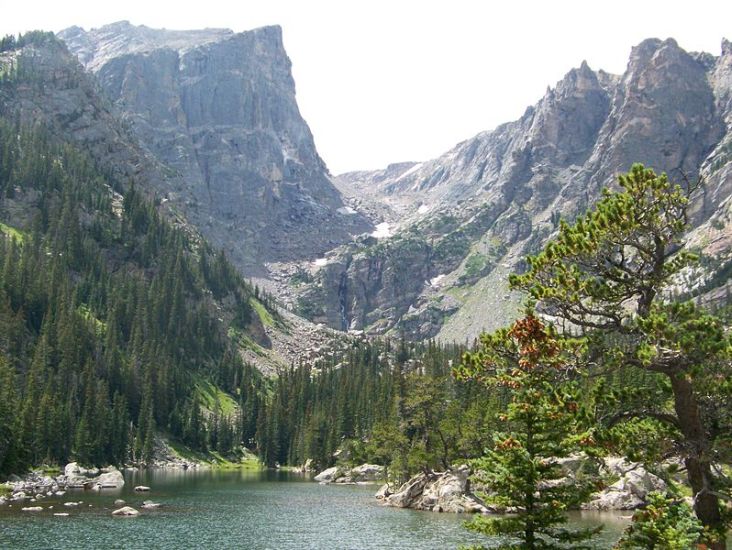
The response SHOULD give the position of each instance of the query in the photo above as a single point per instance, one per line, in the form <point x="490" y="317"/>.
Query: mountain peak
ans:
<point x="97" y="46"/>
<point x="726" y="47"/>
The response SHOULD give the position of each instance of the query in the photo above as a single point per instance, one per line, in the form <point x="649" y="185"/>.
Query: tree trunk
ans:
<point x="696" y="457"/>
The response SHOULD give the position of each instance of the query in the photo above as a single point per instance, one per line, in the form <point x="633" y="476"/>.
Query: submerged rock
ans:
<point x="142" y="489"/>
<point x="126" y="511"/>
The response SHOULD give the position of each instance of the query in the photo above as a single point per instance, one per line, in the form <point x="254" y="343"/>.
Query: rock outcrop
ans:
<point x="438" y="492"/>
<point x="208" y="120"/>
<point x="450" y="491"/>
<point x="110" y="480"/>
<point x="38" y="485"/>
<point x="631" y="489"/>
<point x="77" y="477"/>
<point x="328" y="475"/>
<point x="630" y="482"/>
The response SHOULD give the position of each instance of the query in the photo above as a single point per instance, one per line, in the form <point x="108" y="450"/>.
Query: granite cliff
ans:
<point x="217" y="109"/>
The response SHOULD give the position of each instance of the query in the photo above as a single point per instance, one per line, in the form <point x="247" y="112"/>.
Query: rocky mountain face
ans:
<point x="469" y="217"/>
<point x="217" y="110"/>
<point x="208" y="119"/>
<point x="42" y="85"/>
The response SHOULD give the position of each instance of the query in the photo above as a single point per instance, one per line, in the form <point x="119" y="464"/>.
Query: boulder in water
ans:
<point x="329" y="475"/>
<point x="126" y="511"/>
<point x="366" y="472"/>
<point x="73" y="470"/>
<point x="112" y="479"/>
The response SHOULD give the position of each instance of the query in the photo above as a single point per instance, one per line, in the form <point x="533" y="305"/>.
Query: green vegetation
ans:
<point x="542" y="425"/>
<point x="244" y="341"/>
<point x="213" y="398"/>
<point x="475" y="264"/>
<point x="262" y="312"/>
<point x="607" y="274"/>
<point x="12" y="232"/>
<point x="236" y="459"/>
<point x="107" y="321"/>
<point x="301" y="277"/>
<point x="37" y="38"/>
<point x="394" y="403"/>
<point x="665" y="523"/>
<point x="309" y="308"/>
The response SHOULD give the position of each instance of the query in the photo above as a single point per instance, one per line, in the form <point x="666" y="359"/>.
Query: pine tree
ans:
<point x="8" y="419"/>
<point x="607" y="274"/>
<point x="663" y="524"/>
<point x="540" y="426"/>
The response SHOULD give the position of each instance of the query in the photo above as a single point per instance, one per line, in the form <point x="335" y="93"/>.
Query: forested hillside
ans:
<point x="384" y="401"/>
<point x="112" y="319"/>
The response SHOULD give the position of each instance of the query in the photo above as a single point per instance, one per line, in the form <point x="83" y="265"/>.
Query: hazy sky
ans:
<point x="387" y="81"/>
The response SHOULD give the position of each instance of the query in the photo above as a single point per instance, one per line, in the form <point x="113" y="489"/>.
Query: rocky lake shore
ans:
<point x="628" y="487"/>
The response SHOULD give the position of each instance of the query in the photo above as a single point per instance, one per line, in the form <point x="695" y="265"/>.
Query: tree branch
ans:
<point x="667" y="418"/>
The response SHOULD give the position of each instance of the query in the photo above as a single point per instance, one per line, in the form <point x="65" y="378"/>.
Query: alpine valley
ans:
<point x="185" y="284"/>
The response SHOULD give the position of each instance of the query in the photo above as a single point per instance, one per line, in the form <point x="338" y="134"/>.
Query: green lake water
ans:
<point x="232" y="509"/>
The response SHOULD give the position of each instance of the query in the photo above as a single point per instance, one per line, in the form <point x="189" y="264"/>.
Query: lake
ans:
<point x="240" y="509"/>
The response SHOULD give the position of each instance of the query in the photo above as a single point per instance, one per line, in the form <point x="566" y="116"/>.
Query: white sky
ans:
<point x="383" y="81"/>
